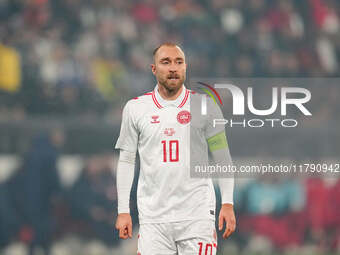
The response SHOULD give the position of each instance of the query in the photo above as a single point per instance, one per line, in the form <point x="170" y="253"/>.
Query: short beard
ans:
<point x="171" y="90"/>
<point x="165" y="85"/>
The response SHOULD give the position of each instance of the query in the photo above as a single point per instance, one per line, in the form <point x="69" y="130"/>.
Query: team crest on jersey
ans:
<point x="155" y="119"/>
<point x="169" y="131"/>
<point x="183" y="117"/>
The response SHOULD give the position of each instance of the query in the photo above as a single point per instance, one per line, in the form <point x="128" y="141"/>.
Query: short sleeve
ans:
<point x="213" y="112"/>
<point x="128" y="137"/>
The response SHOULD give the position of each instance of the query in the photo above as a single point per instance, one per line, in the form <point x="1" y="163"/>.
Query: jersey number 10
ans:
<point x="173" y="151"/>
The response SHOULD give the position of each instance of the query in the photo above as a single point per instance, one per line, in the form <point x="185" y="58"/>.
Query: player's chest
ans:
<point x="165" y="122"/>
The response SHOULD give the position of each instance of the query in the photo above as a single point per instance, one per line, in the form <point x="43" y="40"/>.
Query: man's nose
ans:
<point x="173" y="68"/>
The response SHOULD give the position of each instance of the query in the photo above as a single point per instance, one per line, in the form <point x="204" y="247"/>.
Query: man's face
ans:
<point x="169" y="67"/>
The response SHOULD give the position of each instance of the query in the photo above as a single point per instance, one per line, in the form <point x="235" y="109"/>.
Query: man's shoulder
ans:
<point x="145" y="96"/>
<point x="141" y="102"/>
<point x="196" y="98"/>
<point x="193" y="93"/>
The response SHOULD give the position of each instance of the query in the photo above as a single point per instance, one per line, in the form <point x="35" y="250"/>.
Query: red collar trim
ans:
<point x="180" y="105"/>
<point x="185" y="98"/>
<point x="155" y="100"/>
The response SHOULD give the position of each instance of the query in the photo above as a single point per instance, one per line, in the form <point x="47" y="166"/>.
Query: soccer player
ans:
<point x="176" y="212"/>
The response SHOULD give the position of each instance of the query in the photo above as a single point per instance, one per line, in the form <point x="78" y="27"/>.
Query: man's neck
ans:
<point x="169" y="94"/>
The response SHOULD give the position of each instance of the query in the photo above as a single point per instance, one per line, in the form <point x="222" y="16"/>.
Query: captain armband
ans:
<point x="218" y="142"/>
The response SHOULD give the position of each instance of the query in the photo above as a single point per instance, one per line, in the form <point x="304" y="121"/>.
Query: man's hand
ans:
<point x="124" y="225"/>
<point x="227" y="215"/>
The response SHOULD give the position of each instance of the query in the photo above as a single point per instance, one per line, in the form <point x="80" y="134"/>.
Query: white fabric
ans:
<point x="226" y="188"/>
<point x="166" y="192"/>
<point x="174" y="103"/>
<point x="178" y="238"/>
<point x="124" y="178"/>
<point x="128" y="157"/>
<point x="226" y="185"/>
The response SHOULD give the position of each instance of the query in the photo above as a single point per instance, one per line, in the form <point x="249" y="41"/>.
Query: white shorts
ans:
<point x="183" y="238"/>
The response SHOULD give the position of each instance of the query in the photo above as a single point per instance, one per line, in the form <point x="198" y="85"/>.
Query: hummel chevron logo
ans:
<point x="155" y="119"/>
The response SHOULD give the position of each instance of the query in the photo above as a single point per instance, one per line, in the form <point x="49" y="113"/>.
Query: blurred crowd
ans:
<point x="41" y="209"/>
<point x="86" y="57"/>
<point x="69" y="57"/>
<point x="37" y="207"/>
<point x="289" y="215"/>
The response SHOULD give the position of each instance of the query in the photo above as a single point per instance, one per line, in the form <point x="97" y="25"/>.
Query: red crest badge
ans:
<point x="183" y="117"/>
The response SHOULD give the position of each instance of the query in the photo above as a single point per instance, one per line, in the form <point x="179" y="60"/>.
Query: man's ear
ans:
<point x="153" y="68"/>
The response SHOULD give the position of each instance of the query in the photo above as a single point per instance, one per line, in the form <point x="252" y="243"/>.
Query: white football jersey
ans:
<point x="160" y="130"/>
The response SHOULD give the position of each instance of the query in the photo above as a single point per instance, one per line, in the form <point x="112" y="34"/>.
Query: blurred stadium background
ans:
<point x="68" y="66"/>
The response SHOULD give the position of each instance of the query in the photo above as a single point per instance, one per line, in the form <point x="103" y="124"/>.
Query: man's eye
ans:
<point x="165" y="62"/>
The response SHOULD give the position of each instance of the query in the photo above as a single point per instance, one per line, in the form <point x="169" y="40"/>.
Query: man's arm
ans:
<point x="125" y="175"/>
<point x="127" y="143"/>
<point x="218" y="147"/>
